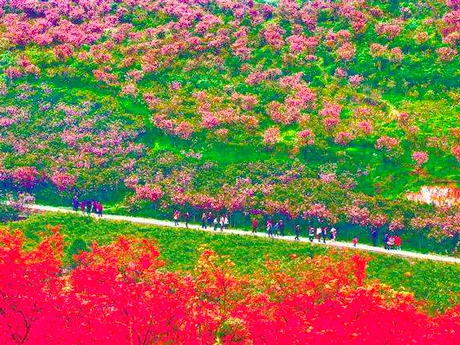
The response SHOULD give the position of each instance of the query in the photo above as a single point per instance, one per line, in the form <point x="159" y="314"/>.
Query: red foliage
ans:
<point x="120" y="293"/>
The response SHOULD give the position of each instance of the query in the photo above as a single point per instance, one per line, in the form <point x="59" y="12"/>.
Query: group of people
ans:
<point x="392" y="242"/>
<point x="87" y="206"/>
<point x="321" y="233"/>
<point x="207" y="219"/>
<point x="389" y="241"/>
<point x="273" y="228"/>
<point x="277" y="228"/>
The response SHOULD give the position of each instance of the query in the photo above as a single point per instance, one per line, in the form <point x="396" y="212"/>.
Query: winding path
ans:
<point x="151" y="221"/>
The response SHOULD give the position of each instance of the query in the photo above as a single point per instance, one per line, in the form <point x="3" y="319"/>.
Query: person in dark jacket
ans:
<point x="374" y="236"/>
<point x="297" y="232"/>
<point x="187" y="219"/>
<point x="88" y="207"/>
<point x="75" y="203"/>
<point x="311" y="233"/>
<point x="204" y="220"/>
<point x="255" y="224"/>
<point x="281" y="227"/>
<point x="324" y="233"/>
<point x="99" y="208"/>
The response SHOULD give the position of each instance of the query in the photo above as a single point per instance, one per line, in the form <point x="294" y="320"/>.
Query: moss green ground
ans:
<point x="436" y="283"/>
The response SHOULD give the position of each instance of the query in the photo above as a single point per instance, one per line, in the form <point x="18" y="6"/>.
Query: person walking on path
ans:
<point x="222" y="223"/>
<point x="324" y="233"/>
<point x="99" y="208"/>
<point x="333" y="234"/>
<point x="276" y="229"/>
<point x="226" y="222"/>
<point x="82" y="207"/>
<point x="75" y="203"/>
<point x="94" y="206"/>
<point x="391" y="242"/>
<point x="255" y="224"/>
<point x="374" y="236"/>
<point x="281" y="227"/>
<point x="297" y="232"/>
<point x="319" y="231"/>
<point x="269" y="228"/>
<point x="398" y="242"/>
<point x="187" y="219"/>
<point x="216" y="223"/>
<point x="210" y="218"/>
<point x="385" y="240"/>
<point x="311" y="233"/>
<point x="354" y="241"/>
<point x="204" y="220"/>
<point x="176" y="217"/>
<point x="88" y="207"/>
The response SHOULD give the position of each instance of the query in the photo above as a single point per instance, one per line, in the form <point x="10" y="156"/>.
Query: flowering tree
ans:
<point x="271" y="137"/>
<point x="420" y="158"/>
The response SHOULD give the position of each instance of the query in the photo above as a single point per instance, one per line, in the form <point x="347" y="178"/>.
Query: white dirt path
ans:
<point x="151" y="221"/>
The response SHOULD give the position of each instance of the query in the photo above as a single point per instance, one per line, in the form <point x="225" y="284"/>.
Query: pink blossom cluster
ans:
<point x="301" y="43"/>
<point x="355" y="80"/>
<point x="64" y="22"/>
<point x="389" y="30"/>
<point x="420" y="157"/>
<point x="451" y="30"/>
<point x="25" y="176"/>
<point x="301" y="98"/>
<point x="378" y="220"/>
<point x="306" y="137"/>
<point x="446" y="54"/>
<point x="396" y="55"/>
<point x="386" y="142"/>
<point x="456" y="151"/>
<point x="357" y="215"/>
<point x="346" y="51"/>
<point x="343" y="138"/>
<point x="182" y="129"/>
<point x="328" y="177"/>
<point x="271" y="136"/>
<point x="245" y="101"/>
<point x="319" y="211"/>
<point x="396" y="224"/>
<point x="356" y="17"/>
<point x="149" y="192"/>
<point x="241" y="45"/>
<point x="365" y="127"/>
<point x="333" y="39"/>
<point x="259" y="76"/>
<point x="273" y="36"/>
<point x="331" y="114"/>
<point x="378" y="50"/>
<point x="63" y="181"/>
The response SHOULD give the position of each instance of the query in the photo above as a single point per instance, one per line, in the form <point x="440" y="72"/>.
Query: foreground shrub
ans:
<point x="121" y="293"/>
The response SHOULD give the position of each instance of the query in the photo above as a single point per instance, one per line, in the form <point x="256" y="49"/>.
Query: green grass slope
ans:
<point x="437" y="283"/>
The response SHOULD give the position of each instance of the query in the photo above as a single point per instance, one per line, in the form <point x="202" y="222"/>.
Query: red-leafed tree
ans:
<point x="122" y="293"/>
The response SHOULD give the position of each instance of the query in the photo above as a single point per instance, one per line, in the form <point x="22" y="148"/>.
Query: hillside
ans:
<point x="314" y="109"/>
